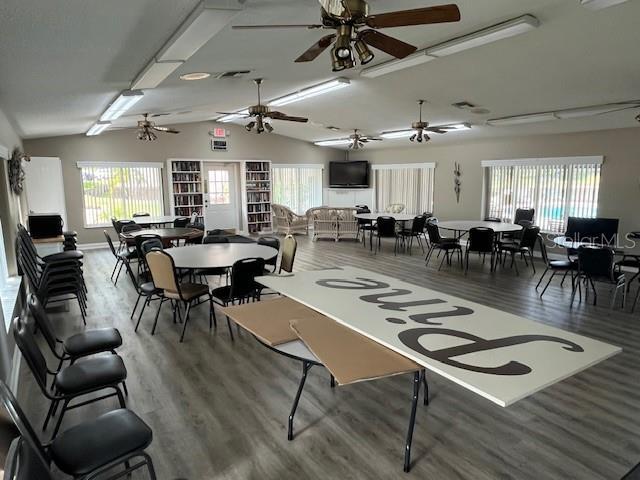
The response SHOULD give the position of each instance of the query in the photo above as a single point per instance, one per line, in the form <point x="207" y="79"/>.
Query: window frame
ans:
<point x="90" y="164"/>
<point x="299" y="166"/>
<point x="591" y="160"/>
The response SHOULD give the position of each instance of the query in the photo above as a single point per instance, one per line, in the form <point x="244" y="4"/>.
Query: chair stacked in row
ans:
<point x="52" y="278"/>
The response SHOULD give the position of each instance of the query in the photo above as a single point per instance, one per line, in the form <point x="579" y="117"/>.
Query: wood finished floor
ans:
<point x="219" y="409"/>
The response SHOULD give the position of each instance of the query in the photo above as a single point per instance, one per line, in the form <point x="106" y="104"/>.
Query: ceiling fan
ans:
<point x="358" y="140"/>
<point x="421" y="128"/>
<point x="349" y="18"/>
<point x="147" y="129"/>
<point x="259" y="113"/>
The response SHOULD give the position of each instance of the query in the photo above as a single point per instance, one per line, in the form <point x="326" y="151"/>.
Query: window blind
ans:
<point x="298" y="187"/>
<point x="406" y="184"/>
<point x="556" y="191"/>
<point x="120" y="191"/>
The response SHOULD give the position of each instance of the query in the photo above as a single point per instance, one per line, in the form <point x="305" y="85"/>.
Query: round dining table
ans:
<point x="218" y="255"/>
<point x="463" y="226"/>
<point x="372" y="217"/>
<point x="630" y="248"/>
<point x="155" y="220"/>
<point x="167" y="235"/>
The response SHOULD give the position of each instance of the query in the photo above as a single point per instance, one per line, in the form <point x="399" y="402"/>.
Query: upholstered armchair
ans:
<point x="287" y="222"/>
<point x="394" y="208"/>
<point x="325" y="223"/>
<point x="347" y="223"/>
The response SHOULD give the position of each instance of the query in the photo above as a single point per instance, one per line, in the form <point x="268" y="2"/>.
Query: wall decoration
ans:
<point x="457" y="182"/>
<point x="16" y="172"/>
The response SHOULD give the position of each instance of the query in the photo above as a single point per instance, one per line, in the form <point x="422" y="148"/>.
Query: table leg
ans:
<point x="306" y="366"/>
<point x="412" y="420"/>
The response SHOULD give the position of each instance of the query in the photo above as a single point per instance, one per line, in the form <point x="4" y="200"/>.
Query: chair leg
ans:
<point x="144" y="304"/>
<point x="186" y="319"/>
<point x="230" y="329"/>
<point x="136" y="305"/>
<point x="445" y="257"/>
<point x="635" y="300"/>
<point x="553" y="274"/>
<point x="155" y="321"/>
<point x="541" y="277"/>
<point x="466" y="260"/>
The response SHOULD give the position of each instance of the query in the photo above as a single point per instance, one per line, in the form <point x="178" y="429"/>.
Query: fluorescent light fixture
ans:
<point x="456" y="127"/>
<point x="600" y="4"/>
<point x="206" y="20"/>
<point x="195" y="76"/>
<point x="491" y="34"/>
<point x="522" y="119"/>
<point x="98" y="128"/>
<point x="333" y="143"/>
<point x="154" y="74"/>
<point x="398" y="134"/>
<point x="314" y="91"/>
<point x="412" y="60"/>
<point x="233" y="116"/>
<point x="594" y="110"/>
<point x="124" y="102"/>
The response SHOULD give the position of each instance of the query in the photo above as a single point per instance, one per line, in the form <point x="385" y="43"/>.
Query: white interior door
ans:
<point x="221" y="206"/>
<point x="44" y="186"/>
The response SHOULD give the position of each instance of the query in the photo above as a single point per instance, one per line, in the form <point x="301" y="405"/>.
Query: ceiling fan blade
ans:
<point x="165" y="129"/>
<point x="316" y="49"/>
<point x="436" y="130"/>
<point x="418" y="16"/>
<point x="234" y="113"/>
<point x="387" y="44"/>
<point x="259" y="27"/>
<point x="282" y="116"/>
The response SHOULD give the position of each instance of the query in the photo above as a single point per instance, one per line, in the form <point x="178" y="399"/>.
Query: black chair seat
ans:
<point x="128" y="254"/>
<point x="61" y="256"/>
<point x="222" y="293"/>
<point x="91" y="373"/>
<point x="93" y="341"/>
<point x="449" y="245"/>
<point x="95" y="443"/>
<point x="211" y="271"/>
<point x="148" y="289"/>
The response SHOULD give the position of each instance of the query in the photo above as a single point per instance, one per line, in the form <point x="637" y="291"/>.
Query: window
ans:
<point x="556" y="188"/>
<point x="219" y="187"/>
<point x="298" y="187"/>
<point x="411" y="185"/>
<point x="120" y="190"/>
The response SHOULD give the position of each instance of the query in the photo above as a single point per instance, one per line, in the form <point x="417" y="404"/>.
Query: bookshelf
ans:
<point x="186" y="188"/>
<point x="258" y="192"/>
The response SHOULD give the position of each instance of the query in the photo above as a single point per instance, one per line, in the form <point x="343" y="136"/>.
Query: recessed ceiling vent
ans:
<point x="233" y="74"/>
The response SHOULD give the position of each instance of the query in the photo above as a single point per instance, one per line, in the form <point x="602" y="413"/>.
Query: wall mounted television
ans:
<point x="349" y="174"/>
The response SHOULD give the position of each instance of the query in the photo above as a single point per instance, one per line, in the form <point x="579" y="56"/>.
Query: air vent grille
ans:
<point x="233" y="74"/>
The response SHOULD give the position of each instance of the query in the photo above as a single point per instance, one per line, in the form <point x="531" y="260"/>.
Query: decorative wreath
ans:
<point x="16" y="172"/>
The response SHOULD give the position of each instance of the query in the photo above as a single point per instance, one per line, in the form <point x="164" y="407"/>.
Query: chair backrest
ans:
<point x="394" y="208"/>
<point x="215" y="239"/>
<point x="196" y="225"/>
<point x="149" y="245"/>
<point x="30" y="352"/>
<point x="27" y="432"/>
<point x="181" y="222"/>
<point x="289" y="248"/>
<point x="386" y="226"/>
<point x="270" y="242"/>
<point x="432" y="220"/>
<point x="163" y="271"/>
<point x="529" y="237"/>
<point x="433" y="231"/>
<point x="481" y="239"/>
<point x="418" y="224"/>
<point x="43" y="322"/>
<point x="23" y="463"/>
<point x="193" y="218"/>
<point x="596" y="262"/>
<point x="130" y="227"/>
<point x="110" y="243"/>
<point x="120" y="224"/>
<point x="141" y="214"/>
<point x="243" y="274"/>
<point x="524" y="214"/>
<point x="140" y="239"/>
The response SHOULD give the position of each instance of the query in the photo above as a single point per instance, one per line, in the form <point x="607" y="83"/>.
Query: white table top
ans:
<point x="466" y="225"/>
<point x="218" y="255"/>
<point x="155" y="220"/>
<point x="500" y="356"/>
<point x="400" y="217"/>
<point x="630" y="247"/>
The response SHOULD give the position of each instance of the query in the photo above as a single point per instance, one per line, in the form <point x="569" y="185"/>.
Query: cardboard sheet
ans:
<point x="269" y="319"/>
<point x="349" y="356"/>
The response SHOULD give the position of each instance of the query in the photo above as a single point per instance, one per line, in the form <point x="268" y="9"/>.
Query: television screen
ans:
<point x="349" y="174"/>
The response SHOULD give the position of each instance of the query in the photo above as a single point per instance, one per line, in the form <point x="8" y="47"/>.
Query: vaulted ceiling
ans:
<point x="62" y="63"/>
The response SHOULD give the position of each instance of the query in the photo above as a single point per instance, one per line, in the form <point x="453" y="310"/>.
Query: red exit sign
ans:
<point x="219" y="133"/>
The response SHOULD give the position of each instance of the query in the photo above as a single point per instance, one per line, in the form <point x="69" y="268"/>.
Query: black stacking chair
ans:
<point x="482" y="241"/>
<point x="524" y="247"/>
<point x="143" y="269"/>
<point x="76" y="346"/>
<point x="203" y="273"/>
<point x="84" y="377"/>
<point x="85" y="451"/>
<point x="597" y="265"/>
<point x="119" y="256"/>
<point x="181" y="222"/>
<point x="243" y="286"/>
<point x="140" y="214"/>
<point x="555" y="266"/>
<point x="273" y="242"/>
<point x="195" y="240"/>
<point x="523" y="217"/>
<point x="146" y="290"/>
<point x="386" y="228"/>
<point x="364" y="226"/>
<point x="446" y="245"/>
<point x="416" y="231"/>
